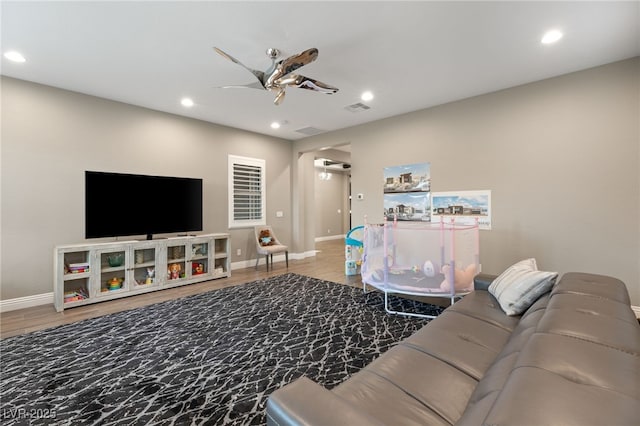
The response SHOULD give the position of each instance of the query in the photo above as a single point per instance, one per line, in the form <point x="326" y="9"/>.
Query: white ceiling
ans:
<point x="412" y="55"/>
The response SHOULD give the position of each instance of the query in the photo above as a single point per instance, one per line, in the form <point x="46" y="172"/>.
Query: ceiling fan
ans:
<point x="281" y="74"/>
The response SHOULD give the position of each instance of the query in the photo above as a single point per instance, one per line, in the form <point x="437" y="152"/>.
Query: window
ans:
<point x="246" y="192"/>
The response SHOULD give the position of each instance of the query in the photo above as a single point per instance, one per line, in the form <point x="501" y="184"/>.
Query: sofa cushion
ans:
<point x="520" y="285"/>
<point x="534" y="396"/>
<point x="608" y="325"/>
<point x="599" y="286"/>
<point x="463" y="342"/>
<point x="584" y="363"/>
<point x="483" y="306"/>
<point x="407" y="386"/>
<point x="488" y="389"/>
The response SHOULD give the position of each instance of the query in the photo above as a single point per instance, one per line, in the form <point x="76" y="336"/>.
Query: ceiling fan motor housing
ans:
<point x="273" y="53"/>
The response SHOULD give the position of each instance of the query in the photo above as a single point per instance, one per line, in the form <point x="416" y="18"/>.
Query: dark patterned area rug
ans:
<point x="211" y="358"/>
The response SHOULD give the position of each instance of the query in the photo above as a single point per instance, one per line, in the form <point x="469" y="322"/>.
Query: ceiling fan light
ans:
<point x="551" y="37"/>
<point x="324" y="175"/>
<point x="14" y="56"/>
<point x="367" y="96"/>
<point x="275" y="125"/>
<point x="187" y="102"/>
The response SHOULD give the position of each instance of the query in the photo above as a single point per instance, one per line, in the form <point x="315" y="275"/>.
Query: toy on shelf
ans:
<point x="174" y="271"/>
<point x="150" y="274"/>
<point x="114" y="283"/>
<point x="421" y="259"/>
<point x="197" y="268"/>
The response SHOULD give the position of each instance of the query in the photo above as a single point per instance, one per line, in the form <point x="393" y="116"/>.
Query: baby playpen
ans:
<point x="420" y="259"/>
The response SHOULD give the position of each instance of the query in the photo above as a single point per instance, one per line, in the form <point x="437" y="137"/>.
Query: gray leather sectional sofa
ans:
<point x="572" y="358"/>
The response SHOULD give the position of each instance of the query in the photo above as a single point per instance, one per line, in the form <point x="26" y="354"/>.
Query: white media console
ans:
<point x="91" y="273"/>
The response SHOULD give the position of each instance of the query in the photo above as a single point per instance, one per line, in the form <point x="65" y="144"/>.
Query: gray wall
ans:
<point x="561" y="157"/>
<point x="51" y="136"/>
<point x="330" y="202"/>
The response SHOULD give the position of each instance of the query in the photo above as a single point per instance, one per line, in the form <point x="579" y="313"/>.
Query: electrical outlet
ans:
<point x="239" y="252"/>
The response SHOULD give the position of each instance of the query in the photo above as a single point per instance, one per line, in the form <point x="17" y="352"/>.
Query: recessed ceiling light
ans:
<point x="14" y="56"/>
<point x="366" y="96"/>
<point x="187" y="102"/>
<point x="551" y="37"/>
<point x="275" y="125"/>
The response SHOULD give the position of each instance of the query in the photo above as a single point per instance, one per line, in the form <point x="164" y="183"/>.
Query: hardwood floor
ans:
<point x="328" y="264"/>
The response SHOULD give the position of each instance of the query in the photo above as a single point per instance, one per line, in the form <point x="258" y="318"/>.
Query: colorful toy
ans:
<point x="197" y="269"/>
<point x="150" y="273"/>
<point x="463" y="278"/>
<point x="429" y="269"/>
<point x="114" y="283"/>
<point x="350" y="268"/>
<point x="174" y="271"/>
<point x="265" y="238"/>
<point x="353" y="250"/>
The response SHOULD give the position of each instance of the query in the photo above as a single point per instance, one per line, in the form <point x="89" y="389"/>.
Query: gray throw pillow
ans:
<point x="520" y="285"/>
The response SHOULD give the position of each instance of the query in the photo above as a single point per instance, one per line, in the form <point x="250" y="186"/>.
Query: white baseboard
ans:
<point x="26" y="302"/>
<point x="636" y="310"/>
<point x="241" y="264"/>
<point x="330" y="237"/>
<point x="300" y="256"/>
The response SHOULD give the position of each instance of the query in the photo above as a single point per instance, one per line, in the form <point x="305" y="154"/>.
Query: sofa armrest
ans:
<point x="483" y="281"/>
<point x="305" y="402"/>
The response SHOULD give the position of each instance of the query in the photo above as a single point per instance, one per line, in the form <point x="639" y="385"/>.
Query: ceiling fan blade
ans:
<point x="308" y="83"/>
<point x="294" y="62"/>
<point x="258" y="74"/>
<point x="243" y="86"/>
<point x="279" y="97"/>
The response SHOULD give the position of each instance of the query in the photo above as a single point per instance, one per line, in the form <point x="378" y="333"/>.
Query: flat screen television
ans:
<point x="118" y="204"/>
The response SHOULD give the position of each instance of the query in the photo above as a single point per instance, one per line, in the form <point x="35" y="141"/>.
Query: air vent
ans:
<point x="328" y="163"/>
<point x="323" y="163"/>
<point x="309" y="131"/>
<point x="358" y="107"/>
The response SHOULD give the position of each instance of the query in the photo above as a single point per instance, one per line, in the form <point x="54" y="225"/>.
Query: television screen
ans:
<point x="118" y="204"/>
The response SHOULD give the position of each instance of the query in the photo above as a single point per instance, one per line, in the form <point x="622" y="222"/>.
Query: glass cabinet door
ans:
<point x="76" y="279"/>
<point x="200" y="258"/>
<point x="176" y="262"/>
<point x="112" y="268"/>
<point x="144" y="270"/>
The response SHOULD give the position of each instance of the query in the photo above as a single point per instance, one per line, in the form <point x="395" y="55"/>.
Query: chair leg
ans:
<point x="257" y="260"/>
<point x="286" y="257"/>
<point x="266" y="259"/>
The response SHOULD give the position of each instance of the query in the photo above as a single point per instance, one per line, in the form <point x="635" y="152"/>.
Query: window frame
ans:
<point x="248" y="162"/>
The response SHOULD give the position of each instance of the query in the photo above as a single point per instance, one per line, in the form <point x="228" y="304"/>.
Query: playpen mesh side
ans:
<point x="421" y="259"/>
